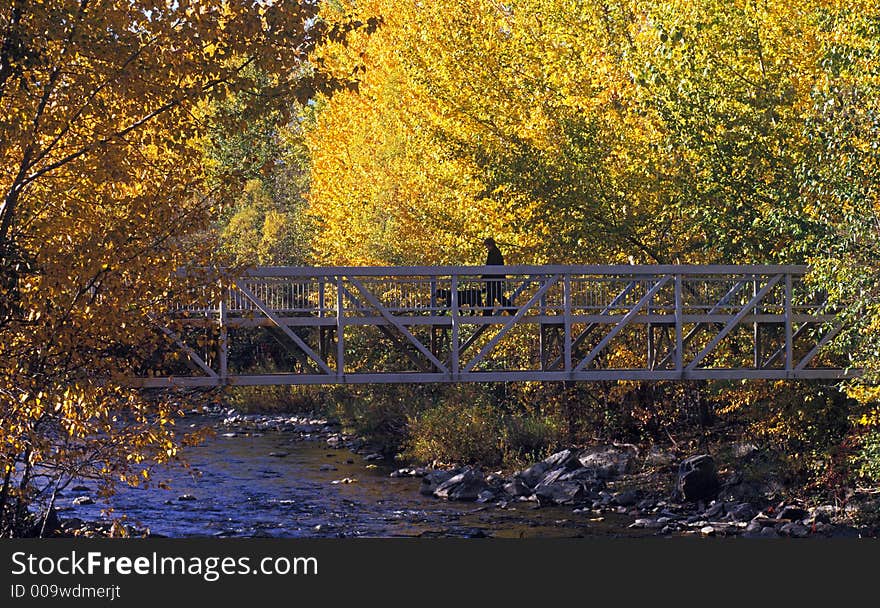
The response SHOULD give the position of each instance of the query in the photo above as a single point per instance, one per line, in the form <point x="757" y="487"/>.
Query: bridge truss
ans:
<point x="350" y="325"/>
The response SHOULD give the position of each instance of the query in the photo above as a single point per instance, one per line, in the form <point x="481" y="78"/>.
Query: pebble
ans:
<point x="83" y="500"/>
<point x="186" y="497"/>
<point x="344" y="480"/>
<point x="707" y="531"/>
<point x="278" y="454"/>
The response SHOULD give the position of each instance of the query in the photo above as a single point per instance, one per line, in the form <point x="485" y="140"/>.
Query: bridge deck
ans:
<point x="554" y="323"/>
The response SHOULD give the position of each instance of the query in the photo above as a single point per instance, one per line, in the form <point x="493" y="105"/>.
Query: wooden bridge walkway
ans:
<point x="348" y="325"/>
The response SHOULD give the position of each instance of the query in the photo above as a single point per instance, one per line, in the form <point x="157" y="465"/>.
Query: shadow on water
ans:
<point x="278" y="485"/>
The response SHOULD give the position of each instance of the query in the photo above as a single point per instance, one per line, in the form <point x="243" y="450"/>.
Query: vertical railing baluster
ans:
<point x="223" y="345"/>
<point x="566" y="312"/>
<point x="455" y="322"/>
<point x="340" y="325"/>
<point x="679" y="317"/>
<point x="756" y="335"/>
<point x="789" y="340"/>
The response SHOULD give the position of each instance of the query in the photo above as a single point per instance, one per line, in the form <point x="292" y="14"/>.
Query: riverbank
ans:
<point x="282" y="475"/>
<point x="657" y="491"/>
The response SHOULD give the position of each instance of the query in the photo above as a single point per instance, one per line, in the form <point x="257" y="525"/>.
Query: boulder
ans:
<point x="754" y="528"/>
<point x="410" y="472"/>
<point x="532" y="476"/>
<point x="823" y="514"/>
<point x="83" y="500"/>
<point x="517" y="487"/>
<point x="431" y="481"/>
<point x="795" y="530"/>
<point x="697" y="478"/>
<point x="742" y="512"/>
<point x="649" y="523"/>
<point x="609" y="462"/>
<point x="626" y="498"/>
<point x="560" y="493"/>
<point x="792" y="513"/>
<point x="715" y="511"/>
<point x="467" y="486"/>
<point x="487" y="495"/>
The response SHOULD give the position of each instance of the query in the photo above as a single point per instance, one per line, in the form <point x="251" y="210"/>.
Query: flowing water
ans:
<point x="276" y="484"/>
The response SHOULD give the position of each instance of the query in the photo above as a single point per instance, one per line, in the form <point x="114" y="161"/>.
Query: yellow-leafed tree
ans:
<point x="104" y="107"/>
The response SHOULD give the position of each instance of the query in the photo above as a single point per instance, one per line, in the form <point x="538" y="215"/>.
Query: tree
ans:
<point x="103" y="108"/>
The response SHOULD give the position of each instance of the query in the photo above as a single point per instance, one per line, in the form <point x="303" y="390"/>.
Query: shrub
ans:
<point x="456" y="432"/>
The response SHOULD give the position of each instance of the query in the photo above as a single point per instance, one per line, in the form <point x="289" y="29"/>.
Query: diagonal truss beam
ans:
<point x="734" y="321"/>
<point x="589" y="328"/>
<point x="511" y="322"/>
<point x="394" y="337"/>
<point x="376" y="304"/>
<point x="623" y="323"/>
<point x="815" y="350"/>
<point x="482" y="329"/>
<point x="715" y="308"/>
<point x="190" y="352"/>
<point x="284" y="328"/>
<point x="797" y="334"/>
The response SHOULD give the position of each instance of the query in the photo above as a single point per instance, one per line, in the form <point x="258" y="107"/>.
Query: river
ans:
<point x="275" y="484"/>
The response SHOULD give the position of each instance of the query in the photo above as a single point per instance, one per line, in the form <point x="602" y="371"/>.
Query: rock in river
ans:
<point x="609" y="462"/>
<point x="697" y="478"/>
<point x="467" y="485"/>
<point x="432" y="480"/>
<point x="517" y="488"/>
<point x="742" y="512"/>
<point x="560" y="492"/>
<point x="532" y="476"/>
<point x="792" y="513"/>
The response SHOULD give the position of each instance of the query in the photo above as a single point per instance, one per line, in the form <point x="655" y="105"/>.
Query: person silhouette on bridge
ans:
<point x="495" y="282"/>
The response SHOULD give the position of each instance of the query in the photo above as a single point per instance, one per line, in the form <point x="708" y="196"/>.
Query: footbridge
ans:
<point x="349" y="325"/>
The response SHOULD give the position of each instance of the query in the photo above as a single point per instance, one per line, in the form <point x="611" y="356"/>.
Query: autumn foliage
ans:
<point x="139" y="137"/>
<point x="104" y="107"/>
<point x="650" y="131"/>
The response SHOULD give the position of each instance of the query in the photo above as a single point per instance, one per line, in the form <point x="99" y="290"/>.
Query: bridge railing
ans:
<point x="684" y="314"/>
<point x="427" y="290"/>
